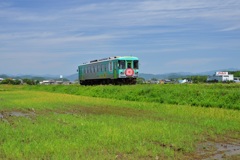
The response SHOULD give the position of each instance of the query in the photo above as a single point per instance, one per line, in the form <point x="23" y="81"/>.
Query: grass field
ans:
<point x="37" y="124"/>
<point x="204" y="95"/>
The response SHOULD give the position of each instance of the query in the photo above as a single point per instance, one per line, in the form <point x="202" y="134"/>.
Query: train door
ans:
<point x="115" y="70"/>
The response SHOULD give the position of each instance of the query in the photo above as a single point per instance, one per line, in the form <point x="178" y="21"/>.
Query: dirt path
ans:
<point x="219" y="150"/>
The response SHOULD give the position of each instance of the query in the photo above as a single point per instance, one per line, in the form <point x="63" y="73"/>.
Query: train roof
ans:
<point x="112" y="58"/>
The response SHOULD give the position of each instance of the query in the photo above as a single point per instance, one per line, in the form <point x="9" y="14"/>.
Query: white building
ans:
<point x="46" y="82"/>
<point x="221" y="77"/>
<point x="183" y="81"/>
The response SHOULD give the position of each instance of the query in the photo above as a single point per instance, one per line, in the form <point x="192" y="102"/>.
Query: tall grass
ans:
<point x="205" y="95"/>
<point x="67" y="126"/>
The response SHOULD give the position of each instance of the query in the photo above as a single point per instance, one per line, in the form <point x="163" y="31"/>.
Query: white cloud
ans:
<point x="24" y="35"/>
<point x="233" y="28"/>
<point x="75" y="39"/>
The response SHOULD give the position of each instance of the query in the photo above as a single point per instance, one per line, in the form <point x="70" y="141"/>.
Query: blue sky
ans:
<point x="55" y="36"/>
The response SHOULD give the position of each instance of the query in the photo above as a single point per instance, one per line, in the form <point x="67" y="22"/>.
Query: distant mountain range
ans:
<point x="146" y="76"/>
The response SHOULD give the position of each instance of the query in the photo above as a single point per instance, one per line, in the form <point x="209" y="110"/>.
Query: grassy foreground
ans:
<point x="63" y="126"/>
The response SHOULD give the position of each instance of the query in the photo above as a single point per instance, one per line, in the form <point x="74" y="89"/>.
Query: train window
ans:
<point x="99" y="68"/>
<point x="110" y="66"/>
<point x="95" y="69"/>
<point x="129" y="65"/>
<point x="135" y="64"/>
<point x="121" y="64"/>
<point x="102" y="68"/>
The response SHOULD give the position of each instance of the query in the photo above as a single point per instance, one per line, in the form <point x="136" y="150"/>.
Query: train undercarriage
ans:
<point x="119" y="81"/>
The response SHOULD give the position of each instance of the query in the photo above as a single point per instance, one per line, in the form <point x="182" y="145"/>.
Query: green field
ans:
<point x="117" y="122"/>
<point x="204" y="95"/>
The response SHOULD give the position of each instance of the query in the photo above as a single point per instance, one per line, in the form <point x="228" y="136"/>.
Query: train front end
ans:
<point x="128" y="69"/>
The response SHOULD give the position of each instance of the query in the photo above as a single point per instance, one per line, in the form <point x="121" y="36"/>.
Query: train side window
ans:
<point x="121" y="64"/>
<point x="135" y="64"/>
<point x="110" y="66"/>
<point x="102" y="68"/>
<point x="99" y="68"/>
<point x="96" y="69"/>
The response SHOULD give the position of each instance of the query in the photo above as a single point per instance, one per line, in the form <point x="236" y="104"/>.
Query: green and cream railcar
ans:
<point x="112" y="70"/>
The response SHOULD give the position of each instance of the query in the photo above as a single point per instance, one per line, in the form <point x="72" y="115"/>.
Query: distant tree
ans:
<point x="17" y="82"/>
<point x="235" y="73"/>
<point x="29" y="81"/>
<point x="198" y="79"/>
<point x="140" y="80"/>
<point x="11" y="81"/>
<point x="37" y="81"/>
<point x="7" y="81"/>
<point x="154" y="79"/>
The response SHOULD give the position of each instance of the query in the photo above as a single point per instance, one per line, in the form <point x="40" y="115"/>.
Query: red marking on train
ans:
<point x="129" y="72"/>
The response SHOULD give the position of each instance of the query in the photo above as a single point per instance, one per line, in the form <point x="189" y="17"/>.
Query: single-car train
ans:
<point x="112" y="70"/>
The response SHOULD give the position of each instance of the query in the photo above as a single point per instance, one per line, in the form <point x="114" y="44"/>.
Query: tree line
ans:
<point x="19" y="81"/>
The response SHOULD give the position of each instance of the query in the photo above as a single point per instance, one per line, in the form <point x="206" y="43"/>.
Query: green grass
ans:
<point x="204" y="95"/>
<point x="64" y="126"/>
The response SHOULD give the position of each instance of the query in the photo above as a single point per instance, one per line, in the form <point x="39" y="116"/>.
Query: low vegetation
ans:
<point x="204" y="95"/>
<point x="44" y="125"/>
